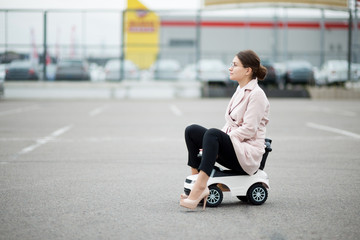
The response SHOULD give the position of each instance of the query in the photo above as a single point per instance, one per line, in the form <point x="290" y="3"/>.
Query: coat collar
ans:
<point x="251" y="85"/>
<point x="239" y="94"/>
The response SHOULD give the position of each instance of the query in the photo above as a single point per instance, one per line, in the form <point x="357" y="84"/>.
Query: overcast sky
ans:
<point x="97" y="4"/>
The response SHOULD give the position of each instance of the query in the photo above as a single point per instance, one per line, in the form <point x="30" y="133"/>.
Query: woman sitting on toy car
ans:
<point x="239" y="145"/>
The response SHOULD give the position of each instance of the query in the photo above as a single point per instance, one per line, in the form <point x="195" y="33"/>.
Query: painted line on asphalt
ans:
<point x="44" y="140"/>
<point x="19" y="110"/>
<point x="175" y="110"/>
<point x="97" y="111"/>
<point x="334" y="130"/>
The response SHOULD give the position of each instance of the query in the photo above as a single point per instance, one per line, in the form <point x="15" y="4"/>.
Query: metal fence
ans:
<point x="98" y="36"/>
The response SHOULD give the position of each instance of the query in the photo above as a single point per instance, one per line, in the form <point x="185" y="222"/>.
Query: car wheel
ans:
<point x="187" y="191"/>
<point x="243" y="198"/>
<point x="215" y="196"/>
<point x="257" y="194"/>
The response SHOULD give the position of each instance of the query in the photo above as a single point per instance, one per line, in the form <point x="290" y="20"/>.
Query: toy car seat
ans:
<point x="219" y="172"/>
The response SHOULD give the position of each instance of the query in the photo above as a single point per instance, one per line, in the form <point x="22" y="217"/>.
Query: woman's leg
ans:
<point x="194" y="140"/>
<point x="217" y="147"/>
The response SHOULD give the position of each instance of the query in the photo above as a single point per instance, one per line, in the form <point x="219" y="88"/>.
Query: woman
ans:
<point x="239" y="145"/>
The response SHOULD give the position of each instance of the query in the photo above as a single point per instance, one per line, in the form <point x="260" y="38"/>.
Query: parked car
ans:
<point x="112" y="70"/>
<point x="274" y="75"/>
<point x="188" y="73"/>
<point x="167" y="69"/>
<point x="335" y="72"/>
<point x="3" y="68"/>
<point x="207" y="70"/>
<point x="72" y="69"/>
<point x="22" y="70"/>
<point x="97" y="72"/>
<point x="280" y="69"/>
<point x="50" y="71"/>
<point x="299" y="72"/>
<point x="356" y="70"/>
<point x="2" y="78"/>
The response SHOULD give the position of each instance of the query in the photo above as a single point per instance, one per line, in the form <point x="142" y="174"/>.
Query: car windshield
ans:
<point x="115" y="64"/>
<point x="20" y="64"/>
<point x="70" y="63"/>
<point x="167" y="64"/>
<point x="212" y="65"/>
<point x="299" y="64"/>
<point x="338" y="64"/>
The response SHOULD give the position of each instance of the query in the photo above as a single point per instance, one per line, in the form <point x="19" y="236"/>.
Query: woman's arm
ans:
<point x="255" y="111"/>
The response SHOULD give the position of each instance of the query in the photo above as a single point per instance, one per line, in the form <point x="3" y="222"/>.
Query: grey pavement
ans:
<point x="114" y="169"/>
<point x="102" y="90"/>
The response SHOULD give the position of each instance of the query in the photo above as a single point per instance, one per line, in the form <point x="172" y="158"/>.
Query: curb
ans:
<point x="108" y="90"/>
<point x="157" y="90"/>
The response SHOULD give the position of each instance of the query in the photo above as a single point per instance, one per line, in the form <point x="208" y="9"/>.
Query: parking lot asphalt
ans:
<point x="114" y="169"/>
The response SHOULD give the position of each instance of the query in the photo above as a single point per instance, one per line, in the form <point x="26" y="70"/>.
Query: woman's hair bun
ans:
<point x="250" y="59"/>
<point x="261" y="73"/>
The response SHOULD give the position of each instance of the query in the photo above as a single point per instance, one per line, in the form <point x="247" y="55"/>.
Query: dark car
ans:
<point x="271" y="77"/>
<point x="299" y="72"/>
<point x="21" y="70"/>
<point x="72" y="69"/>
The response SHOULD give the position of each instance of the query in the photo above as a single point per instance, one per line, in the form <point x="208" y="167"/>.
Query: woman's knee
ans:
<point x="191" y="129"/>
<point x="213" y="132"/>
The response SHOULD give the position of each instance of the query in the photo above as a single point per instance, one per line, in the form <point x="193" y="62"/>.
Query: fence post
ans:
<point x="198" y="43"/>
<point x="349" y="44"/>
<point x="45" y="47"/>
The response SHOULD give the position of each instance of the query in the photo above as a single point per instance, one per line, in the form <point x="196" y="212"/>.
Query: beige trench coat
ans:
<point x="246" y="118"/>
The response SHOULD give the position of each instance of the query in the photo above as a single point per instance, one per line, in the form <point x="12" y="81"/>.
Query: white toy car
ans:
<point x="253" y="189"/>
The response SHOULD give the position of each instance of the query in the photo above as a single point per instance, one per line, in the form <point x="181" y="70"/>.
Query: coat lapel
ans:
<point x="240" y="94"/>
<point x="237" y="100"/>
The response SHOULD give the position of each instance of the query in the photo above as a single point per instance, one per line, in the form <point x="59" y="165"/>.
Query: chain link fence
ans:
<point x="98" y="39"/>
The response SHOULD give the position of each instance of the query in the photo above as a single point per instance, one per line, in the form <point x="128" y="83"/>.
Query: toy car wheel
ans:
<point x="187" y="191"/>
<point x="257" y="194"/>
<point x="215" y="196"/>
<point x="243" y="198"/>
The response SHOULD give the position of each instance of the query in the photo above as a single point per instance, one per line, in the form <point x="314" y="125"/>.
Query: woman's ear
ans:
<point x="249" y="71"/>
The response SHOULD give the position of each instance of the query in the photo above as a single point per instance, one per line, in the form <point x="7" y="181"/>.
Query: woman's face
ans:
<point x="237" y="71"/>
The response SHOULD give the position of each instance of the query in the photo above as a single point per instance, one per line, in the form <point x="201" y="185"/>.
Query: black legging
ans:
<point x="216" y="145"/>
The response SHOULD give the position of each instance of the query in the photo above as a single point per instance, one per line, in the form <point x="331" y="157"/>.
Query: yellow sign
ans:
<point x="316" y="3"/>
<point x="141" y="34"/>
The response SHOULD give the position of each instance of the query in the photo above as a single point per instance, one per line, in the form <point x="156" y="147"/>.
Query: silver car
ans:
<point x="206" y="70"/>
<point x="166" y="69"/>
<point x="113" y="71"/>
<point x="335" y="72"/>
<point x="72" y="69"/>
<point x="2" y="78"/>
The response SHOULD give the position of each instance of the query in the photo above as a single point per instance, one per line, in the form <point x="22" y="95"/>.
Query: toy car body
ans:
<point x="253" y="189"/>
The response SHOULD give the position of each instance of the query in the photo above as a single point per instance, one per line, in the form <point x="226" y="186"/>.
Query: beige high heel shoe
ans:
<point x="184" y="196"/>
<point x="192" y="204"/>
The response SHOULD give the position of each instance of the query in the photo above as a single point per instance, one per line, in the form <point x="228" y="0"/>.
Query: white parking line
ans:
<point x="44" y="140"/>
<point x="19" y="110"/>
<point x="334" y="130"/>
<point x="96" y="111"/>
<point x="175" y="110"/>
